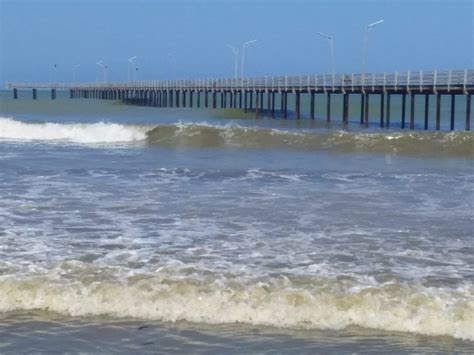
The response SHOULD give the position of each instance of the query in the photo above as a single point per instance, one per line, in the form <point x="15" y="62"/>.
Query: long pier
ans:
<point x="250" y="93"/>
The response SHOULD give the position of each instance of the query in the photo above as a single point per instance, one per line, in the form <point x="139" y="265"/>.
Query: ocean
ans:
<point x="127" y="229"/>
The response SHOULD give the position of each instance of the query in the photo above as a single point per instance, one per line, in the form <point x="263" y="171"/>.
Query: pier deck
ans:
<point x="248" y="93"/>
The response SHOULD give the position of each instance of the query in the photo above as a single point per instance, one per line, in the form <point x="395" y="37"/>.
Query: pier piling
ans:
<point x="427" y="107"/>
<point x="404" y="104"/>
<point x="453" y="108"/>
<point x="438" y="112"/>
<point x="468" y="112"/>
<point x="366" y="110"/>
<point x="328" y="107"/>
<point x="297" y="105"/>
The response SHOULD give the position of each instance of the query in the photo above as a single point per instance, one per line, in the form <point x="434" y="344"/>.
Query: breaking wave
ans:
<point x="76" y="133"/>
<point x="202" y="135"/>
<point x="77" y="289"/>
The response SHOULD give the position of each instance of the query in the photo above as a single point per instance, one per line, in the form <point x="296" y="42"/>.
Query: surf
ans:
<point x="75" y="289"/>
<point x="86" y="133"/>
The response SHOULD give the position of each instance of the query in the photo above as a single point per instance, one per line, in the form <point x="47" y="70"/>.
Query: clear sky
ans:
<point x="187" y="39"/>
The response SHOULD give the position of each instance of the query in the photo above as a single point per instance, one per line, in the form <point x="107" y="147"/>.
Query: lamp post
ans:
<point x="172" y="63"/>
<point x="74" y="72"/>
<point x="236" y="52"/>
<point x="331" y="42"/>
<point x="368" y="28"/>
<point x="55" y="66"/>
<point x="130" y="61"/>
<point x="104" y="67"/>
<point x="242" y="64"/>
<point x="135" y="74"/>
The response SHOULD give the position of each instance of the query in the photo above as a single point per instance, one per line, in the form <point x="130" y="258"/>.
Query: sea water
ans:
<point x="135" y="229"/>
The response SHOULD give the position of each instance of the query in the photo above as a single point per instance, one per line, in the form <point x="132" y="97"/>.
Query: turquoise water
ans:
<point x="135" y="229"/>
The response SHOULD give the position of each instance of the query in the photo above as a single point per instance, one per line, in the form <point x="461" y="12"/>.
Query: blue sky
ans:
<point x="187" y="39"/>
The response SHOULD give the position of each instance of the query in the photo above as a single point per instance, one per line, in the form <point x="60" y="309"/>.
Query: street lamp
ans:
<point x="130" y="61"/>
<point x="104" y="67"/>
<point x="172" y="63"/>
<point x="366" y="44"/>
<point x="54" y="73"/>
<point x="331" y="41"/>
<point x="244" y="45"/>
<point x="236" y="52"/>
<point x="74" y="72"/>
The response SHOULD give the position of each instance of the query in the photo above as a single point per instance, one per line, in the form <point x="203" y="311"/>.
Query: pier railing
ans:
<point x="403" y="81"/>
<point x="248" y="93"/>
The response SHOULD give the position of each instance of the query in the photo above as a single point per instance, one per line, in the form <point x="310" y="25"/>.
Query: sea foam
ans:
<point x="88" y="133"/>
<point x="315" y="303"/>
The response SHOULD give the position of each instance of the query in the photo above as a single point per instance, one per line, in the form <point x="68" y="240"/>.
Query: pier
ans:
<point x="259" y="94"/>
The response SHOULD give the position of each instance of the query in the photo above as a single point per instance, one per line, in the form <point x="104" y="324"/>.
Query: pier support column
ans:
<point x="206" y="99"/>
<point x="285" y="109"/>
<point x="269" y="103"/>
<point x="53" y="94"/>
<point x="282" y="104"/>
<point x="199" y="99"/>
<point x="468" y="112"/>
<point x="453" y="108"/>
<point x="412" y="111"/>
<point x="427" y="107"/>
<point x="214" y="99"/>
<point x="251" y="100"/>
<point x="297" y="104"/>
<point x="362" y="107"/>
<point x="245" y="101"/>
<point x="184" y="98"/>
<point x="404" y="105"/>
<point x="345" y="109"/>
<point x="177" y="98"/>
<point x="382" y="110"/>
<point x="70" y="94"/>
<point x="366" y="110"/>
<point x="328" y="107"/>
<point x="15" y="93"/>
<point x="240" y="99"/>
<point x="35" y="94"/>
<point x="222" y="99"/>
<point x="191" y="94"/>
<point x="438" y="112"/>
<point x="312" y="105"/>
<point x="273" y="104"/>
<point x="387" y="124"/>
<point x="257" y="104"/>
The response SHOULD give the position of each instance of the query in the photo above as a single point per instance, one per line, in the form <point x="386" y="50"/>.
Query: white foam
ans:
<point x="90" y="133"/>
<point x="75" y="289"/>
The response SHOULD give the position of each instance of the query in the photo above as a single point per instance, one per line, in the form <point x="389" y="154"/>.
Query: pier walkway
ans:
<point x="259" y="93"/>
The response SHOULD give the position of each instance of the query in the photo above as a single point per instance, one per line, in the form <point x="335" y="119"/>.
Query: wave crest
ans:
<point x="405" y="143"/>
<point x="313" y="303"/>
<point x="202" y="135"/>
<point x="100" y="132"/>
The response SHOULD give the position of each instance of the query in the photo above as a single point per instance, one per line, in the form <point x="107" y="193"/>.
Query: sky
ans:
<point x="178" y="39"/>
